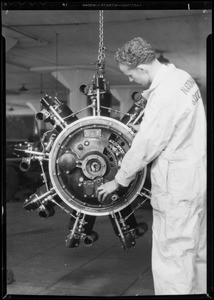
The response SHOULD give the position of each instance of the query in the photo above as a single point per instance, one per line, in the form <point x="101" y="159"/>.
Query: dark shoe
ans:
<point x="143" y="229"/>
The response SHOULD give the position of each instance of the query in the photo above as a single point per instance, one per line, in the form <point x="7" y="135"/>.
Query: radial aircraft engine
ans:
<point x="77" y="156"/>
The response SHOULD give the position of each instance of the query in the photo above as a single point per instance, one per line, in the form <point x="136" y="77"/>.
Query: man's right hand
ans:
<point x="134" y="127"/>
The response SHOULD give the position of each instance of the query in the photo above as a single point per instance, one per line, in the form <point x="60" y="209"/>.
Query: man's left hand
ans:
<point x="105" y="189"/>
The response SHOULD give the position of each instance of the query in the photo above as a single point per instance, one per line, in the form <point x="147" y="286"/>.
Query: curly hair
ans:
<point x="135" y="52"/>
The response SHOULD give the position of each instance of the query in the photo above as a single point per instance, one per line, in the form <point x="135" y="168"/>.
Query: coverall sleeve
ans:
<point x="154" y="134"/>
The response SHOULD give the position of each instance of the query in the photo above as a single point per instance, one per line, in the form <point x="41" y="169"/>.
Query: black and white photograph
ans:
<point x="107" y="187"/>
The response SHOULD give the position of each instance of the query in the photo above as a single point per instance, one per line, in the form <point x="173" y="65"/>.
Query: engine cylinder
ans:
<point x="90" y="239"/>
<point x="24" y="165"/>
<point x="45" y="212"/>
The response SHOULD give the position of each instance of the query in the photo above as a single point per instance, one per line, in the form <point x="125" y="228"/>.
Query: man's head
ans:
<point x="135" y="52"/>
<point x="136" y="59"/>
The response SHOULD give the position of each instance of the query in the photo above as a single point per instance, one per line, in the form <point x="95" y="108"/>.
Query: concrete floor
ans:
<point x="43" y="265"/>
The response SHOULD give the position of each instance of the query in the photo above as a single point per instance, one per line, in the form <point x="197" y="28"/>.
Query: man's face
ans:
<point x="137" y="75"/>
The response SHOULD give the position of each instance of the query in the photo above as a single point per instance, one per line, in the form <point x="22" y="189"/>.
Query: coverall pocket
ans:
<point x="159" y="174"/>
<point x="181" y="230"/>
<point x="159" y="179"/>
<point x="186" y="183"/>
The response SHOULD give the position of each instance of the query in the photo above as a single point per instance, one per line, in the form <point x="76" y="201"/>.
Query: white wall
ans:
<point x="24" y="104"/>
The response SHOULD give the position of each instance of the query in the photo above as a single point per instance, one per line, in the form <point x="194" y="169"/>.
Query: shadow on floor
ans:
<point x="43" y="265"/>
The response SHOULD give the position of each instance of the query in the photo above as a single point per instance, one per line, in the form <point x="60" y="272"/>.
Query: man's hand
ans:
<point x="134" y="127"/>
<point x="106" y="189"/>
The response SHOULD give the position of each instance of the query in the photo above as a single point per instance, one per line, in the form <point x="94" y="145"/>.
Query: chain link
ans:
<point x="101" y="50"/>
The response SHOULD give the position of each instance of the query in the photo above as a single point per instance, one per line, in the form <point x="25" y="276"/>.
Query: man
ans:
<point x="172" y="136"/>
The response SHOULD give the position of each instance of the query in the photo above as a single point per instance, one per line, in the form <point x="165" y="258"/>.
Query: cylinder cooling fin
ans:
<point x="86" y="154"/>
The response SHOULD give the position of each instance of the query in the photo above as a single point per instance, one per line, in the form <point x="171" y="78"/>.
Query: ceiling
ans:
<point x="37" y="42"/>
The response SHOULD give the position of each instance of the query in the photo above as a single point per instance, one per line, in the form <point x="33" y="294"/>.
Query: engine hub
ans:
<point x="94" y="165"/>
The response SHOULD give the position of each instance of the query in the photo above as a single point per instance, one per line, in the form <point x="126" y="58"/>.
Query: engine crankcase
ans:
<point x="86" y="154"/>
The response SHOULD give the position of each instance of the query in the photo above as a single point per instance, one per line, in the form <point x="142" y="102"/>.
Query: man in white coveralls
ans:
<point x="172" y="136"/>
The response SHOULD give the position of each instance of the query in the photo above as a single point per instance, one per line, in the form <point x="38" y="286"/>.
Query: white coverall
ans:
<point x="173" y="136"/>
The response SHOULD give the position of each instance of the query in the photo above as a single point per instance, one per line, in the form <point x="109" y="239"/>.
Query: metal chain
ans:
<point x="101" y="50"/>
